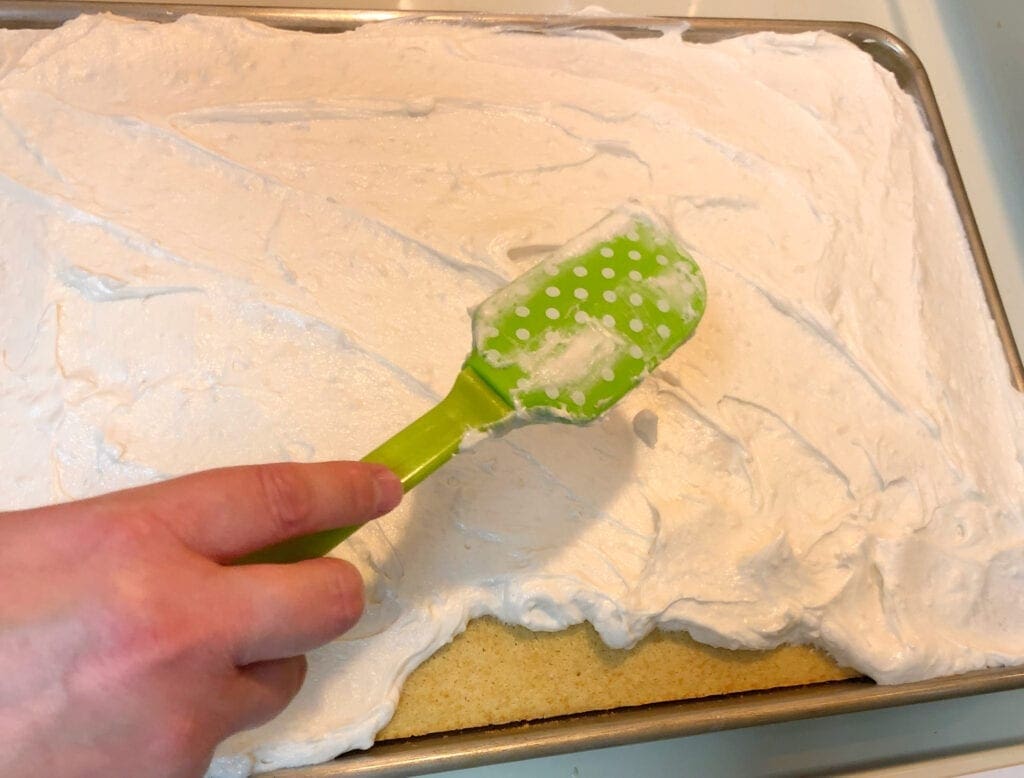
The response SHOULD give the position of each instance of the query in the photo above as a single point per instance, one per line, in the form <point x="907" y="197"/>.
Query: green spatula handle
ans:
<point x="412" y="454"/>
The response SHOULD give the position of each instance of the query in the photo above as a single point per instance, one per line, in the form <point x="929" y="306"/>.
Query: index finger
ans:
<point x="230" y="512"/>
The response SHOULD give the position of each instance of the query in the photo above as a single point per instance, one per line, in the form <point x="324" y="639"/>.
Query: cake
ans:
<point x="222" y="243"/>
<point x="511" y="674"/>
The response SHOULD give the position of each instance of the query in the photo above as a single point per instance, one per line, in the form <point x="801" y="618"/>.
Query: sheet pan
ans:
<point x="662" y="720"/>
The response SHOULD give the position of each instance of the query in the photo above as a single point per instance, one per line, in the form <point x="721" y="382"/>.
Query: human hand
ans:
<point x="127" y="647"/>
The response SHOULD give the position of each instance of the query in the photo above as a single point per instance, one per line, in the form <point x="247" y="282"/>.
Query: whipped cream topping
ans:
<point x="221" y="244"/>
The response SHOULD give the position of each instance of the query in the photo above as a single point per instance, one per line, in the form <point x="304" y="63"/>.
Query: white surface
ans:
<point x="975" y="763"/>
<point x="968" y="52"/>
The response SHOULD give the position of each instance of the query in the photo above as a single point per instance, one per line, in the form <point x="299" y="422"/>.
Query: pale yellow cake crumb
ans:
<point x="495" y="674"/>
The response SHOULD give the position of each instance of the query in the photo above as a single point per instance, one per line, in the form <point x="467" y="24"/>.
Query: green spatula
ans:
<point x="564" y="342"/>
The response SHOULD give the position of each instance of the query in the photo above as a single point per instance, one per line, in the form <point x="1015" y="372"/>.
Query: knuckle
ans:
<point x="102" y="531"/>
<point x="286" y="495"/>
<point x="124" y="536"/>
<point x="140" y="637"/>
<point x="145" y="628"/>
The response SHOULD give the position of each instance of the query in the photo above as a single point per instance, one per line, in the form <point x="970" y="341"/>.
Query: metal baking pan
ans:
<point x="661" y="720"/>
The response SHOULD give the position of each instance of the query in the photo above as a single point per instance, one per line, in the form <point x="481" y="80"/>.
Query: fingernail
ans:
<point x="389" y="490"/>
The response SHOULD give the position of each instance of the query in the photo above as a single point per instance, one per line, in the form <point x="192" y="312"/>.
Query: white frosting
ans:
<point x="221" y="243"/>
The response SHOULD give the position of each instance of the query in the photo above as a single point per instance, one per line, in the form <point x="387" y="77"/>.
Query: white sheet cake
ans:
<point x="222" y="243"/>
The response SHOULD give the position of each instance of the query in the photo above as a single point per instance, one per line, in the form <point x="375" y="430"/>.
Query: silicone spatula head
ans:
<point x="573" y="335"/>
<point x="565" y="341"/>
